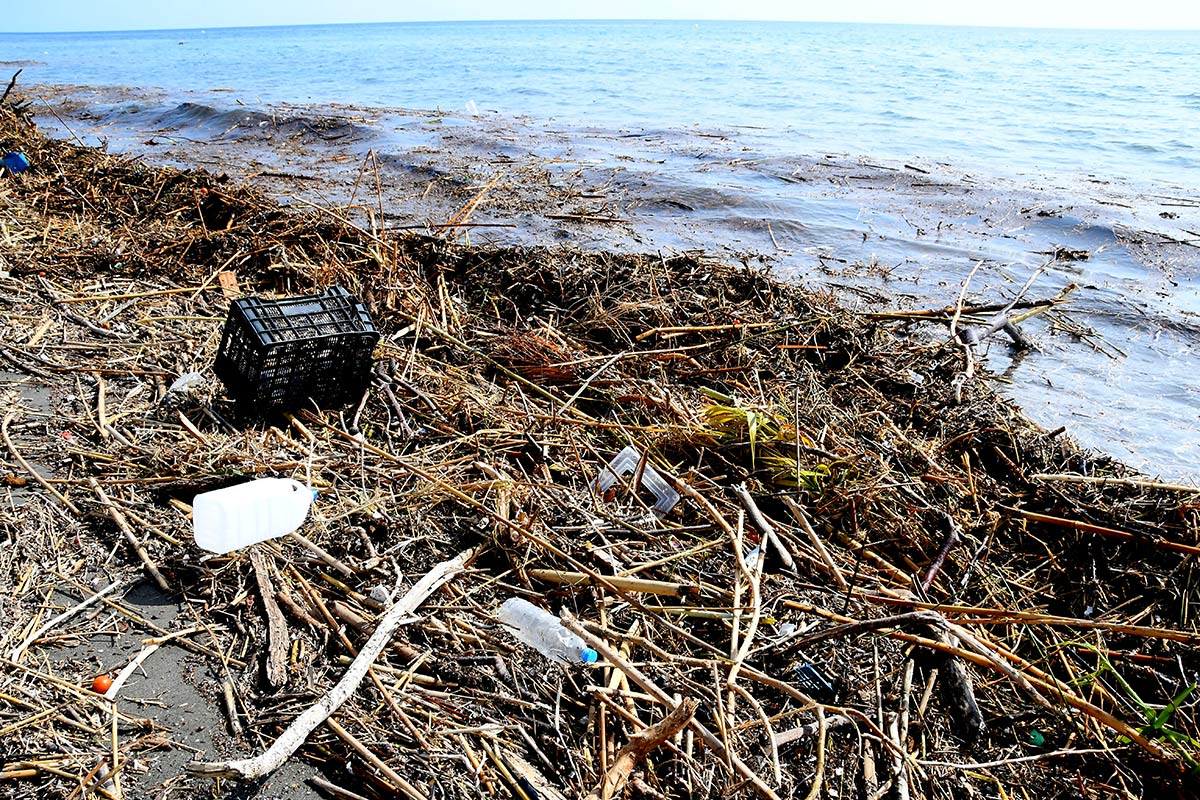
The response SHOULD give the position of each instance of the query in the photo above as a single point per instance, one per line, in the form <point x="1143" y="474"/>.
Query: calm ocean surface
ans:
<point x="1123" y="105"/>
<point x="1085" y="139"/>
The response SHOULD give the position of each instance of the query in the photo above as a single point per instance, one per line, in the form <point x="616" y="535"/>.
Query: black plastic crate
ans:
<point x="278" y="355"/>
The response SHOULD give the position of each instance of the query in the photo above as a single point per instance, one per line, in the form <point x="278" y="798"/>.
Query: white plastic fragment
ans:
<point x="185" y="383"/>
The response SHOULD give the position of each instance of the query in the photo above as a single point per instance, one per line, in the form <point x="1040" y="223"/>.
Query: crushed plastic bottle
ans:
<point x="544" y="632"/>
<point x="626" y="463"/>
<point x="242" y="515"/>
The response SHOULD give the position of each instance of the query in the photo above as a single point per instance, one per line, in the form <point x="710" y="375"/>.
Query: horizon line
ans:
<point x="585" y="20"/>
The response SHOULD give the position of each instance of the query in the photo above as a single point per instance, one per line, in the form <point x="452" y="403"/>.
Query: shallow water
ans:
<point x="884" y="161"/>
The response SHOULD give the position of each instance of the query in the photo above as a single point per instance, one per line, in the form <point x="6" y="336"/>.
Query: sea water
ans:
<point x="1122" y="104"/>
<point x="917" y="152"/>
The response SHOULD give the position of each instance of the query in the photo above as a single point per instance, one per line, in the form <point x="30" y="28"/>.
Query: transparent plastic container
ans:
<point x="544" y="632"/>
<point x="242" y="515"/>
<point x="626" y="463"/>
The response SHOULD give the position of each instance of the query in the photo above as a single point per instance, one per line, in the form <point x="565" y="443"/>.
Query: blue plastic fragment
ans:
<point x="811" y="680"/>
<point x="15" y="162"/>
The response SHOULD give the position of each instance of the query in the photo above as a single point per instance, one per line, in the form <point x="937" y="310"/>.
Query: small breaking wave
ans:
<point x="252" y="123"/>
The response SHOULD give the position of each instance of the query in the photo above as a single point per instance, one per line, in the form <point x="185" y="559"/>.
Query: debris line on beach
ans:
<point x="875" y="582"/>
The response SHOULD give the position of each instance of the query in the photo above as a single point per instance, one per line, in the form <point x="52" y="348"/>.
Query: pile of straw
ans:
<point x="879" y="581"/>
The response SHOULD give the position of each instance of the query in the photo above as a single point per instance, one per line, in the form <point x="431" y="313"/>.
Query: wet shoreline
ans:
<point x="1117" y="370"/>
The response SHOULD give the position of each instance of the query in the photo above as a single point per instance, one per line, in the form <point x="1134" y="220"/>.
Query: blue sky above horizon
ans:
<point x="87" y="15"/>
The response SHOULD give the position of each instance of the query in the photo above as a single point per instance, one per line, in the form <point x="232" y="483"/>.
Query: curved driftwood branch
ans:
<point x="290" y="740"/>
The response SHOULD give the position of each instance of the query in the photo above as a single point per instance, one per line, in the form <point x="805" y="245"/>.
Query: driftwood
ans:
<point x="11" y="84"/>
<point x="958" y="692"/>
<point x="638" y="747"/>
<point x="292" y="738"/>
<point x="277" y="629"/>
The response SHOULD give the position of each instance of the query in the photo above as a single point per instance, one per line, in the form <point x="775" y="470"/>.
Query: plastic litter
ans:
<point x="242" y="515"/>
<point x="281" y="354"/>
<point x="626" y="463"/>
<point x="811" y="680"/>
<point x="185" y="384"/>
<point x="544" y="632"/>
<point x="15" y="162"/>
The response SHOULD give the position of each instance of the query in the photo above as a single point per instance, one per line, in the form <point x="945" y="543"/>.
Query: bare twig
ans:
<point x="11" y="84"/>
<point x="768" y="530"/>
<point x="116" y="516"/>
<point x="296" y="733"/>
<point x="638" y="747"/>
<point x="8" y="418"/>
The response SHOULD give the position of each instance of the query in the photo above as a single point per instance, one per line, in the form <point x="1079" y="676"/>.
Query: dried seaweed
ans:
<point x="955" y="622"/>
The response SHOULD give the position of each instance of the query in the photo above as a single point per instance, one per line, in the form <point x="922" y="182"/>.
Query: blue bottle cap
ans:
<point x="588" y="656"/>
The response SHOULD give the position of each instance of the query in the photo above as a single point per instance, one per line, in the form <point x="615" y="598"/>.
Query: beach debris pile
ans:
<point x="869" y="581"/>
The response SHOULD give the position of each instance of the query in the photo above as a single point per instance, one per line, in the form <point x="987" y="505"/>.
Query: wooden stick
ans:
<point x="1020" y="759"/>
<point x="116" y="516"/>
<point x="296" y="733"/>
<point x="277" y="629"/>
<point x="943" y="313"/>
<point x="1112" y="533"/>
<point x="935" y="566"/>
<point x="814" y="791"/>
<point x="235" y="724"/>
<point x="11" y="84"/>
<point x="1004" y="616"/>
<point x="677" y="330"/>
<point x="316" y="550"/>
<point x="393" y="777"/>
<point x="625" y="584"/>
<point x="811" y="729"/>
<point x="816" y="542"/>
<point x="640" y="745"/>
<point x="768" y="530"/>
<point x="334" y="789"/>
<point x="45" y="485"/>
<point x="1128" y="483"/>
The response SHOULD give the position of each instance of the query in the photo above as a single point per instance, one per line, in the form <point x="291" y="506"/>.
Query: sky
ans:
<point x="89" y="15"/>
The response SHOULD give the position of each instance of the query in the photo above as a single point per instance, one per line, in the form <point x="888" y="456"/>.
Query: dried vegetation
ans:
<point x="928" y="615"/>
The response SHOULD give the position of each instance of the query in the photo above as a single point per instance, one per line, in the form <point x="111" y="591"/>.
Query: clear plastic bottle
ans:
<point x="544" y="632"/>
<point x="242" y="515"/>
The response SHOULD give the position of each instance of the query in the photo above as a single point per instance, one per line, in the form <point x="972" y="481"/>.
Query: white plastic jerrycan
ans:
<point x="242" y="515"/>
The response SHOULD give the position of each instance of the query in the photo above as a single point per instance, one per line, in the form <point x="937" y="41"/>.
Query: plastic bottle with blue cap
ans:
<point x="544" y="632"/>
<point x="239" y="516"/>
